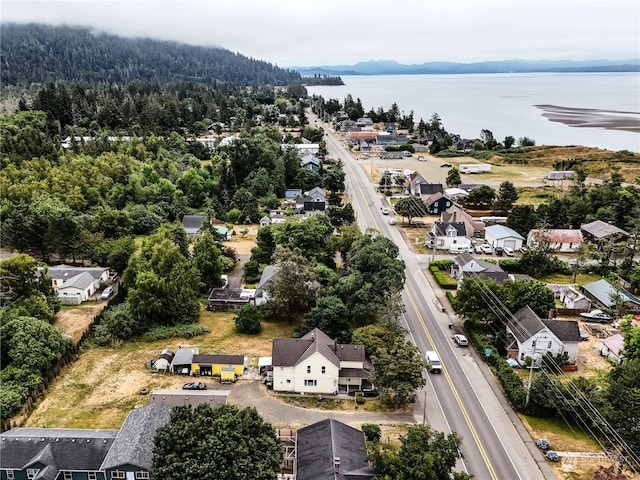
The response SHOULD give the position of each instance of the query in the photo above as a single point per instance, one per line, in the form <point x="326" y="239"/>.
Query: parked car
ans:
<point x="553" y="456"/>
<point x="486" y="248"/>
<point x="194" y="386"/>
<point x="597" y="316"/>
<point x="584" y="336"/>
<point x="460" y="340"/>
<point x="499" y="251"/>
<point x="508" y="251"/>
<point x="106" y="293"/>
<point x="477" y="249"/>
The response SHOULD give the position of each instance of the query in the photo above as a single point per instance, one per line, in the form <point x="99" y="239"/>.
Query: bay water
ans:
<point x="506" y="103"/>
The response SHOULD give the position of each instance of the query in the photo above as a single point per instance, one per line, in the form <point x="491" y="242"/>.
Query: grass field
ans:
<point x="104" y="383"/>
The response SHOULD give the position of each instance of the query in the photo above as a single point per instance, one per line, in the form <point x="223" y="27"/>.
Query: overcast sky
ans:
<point x="331" y="32"/>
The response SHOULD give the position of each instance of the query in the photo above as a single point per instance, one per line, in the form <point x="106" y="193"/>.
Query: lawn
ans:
<point x="104" y="383"/>
<point x="581" y="278"/>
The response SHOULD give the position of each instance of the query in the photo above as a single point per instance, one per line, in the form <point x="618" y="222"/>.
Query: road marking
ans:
<point x="465" y="414"/>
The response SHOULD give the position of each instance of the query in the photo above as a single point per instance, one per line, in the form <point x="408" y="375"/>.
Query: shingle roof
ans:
<point x="59" y="448"/>
<point x="81" y="281"/>
<point x="525" y="324"/>
<point x="64" y="272"/>
<point x="600" y="229"/>
<point x="134" y="443"/>
<point x="193" y="223"/>
<point x="463" y="258"/>
<point x="193" y="398"/>
<point x="441" y="228"/>
<point x="320" y="444"/>
<point x="565" y="330"/>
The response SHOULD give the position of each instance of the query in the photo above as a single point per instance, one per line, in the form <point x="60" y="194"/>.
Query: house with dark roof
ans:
<point x="608" y="296"/>
<point x="316" y="364"/>
<point x="466" y="265"/>
<point x="473" y="228"/>
<point x="230" y="299"/>
<point x="331" y="450"/>
<point x="436" y="203"/>
<point x="54" y="453"/>
<point x="193" y="224"/>
<point x="448" y="236"/>
<point x="530" y="337"/>
<point x="131" y="454"/>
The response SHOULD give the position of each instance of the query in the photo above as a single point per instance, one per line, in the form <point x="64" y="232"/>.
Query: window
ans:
<point x="32" y="472"/>
<point x="142" y="475"/>
<point x="117" y="474"/>
<point x="310" y="383"/>
<point x="92" y="476"/>
<point x="288" y="380"/>
<point x="549" y="344"/>
<point x="308" y="368"/>
<point x="324" y="369"/>
<point x="10" y="475"/>
<point x="67" y="476"/>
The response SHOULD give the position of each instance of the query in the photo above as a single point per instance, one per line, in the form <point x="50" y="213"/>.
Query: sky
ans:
<point x="343" y="32"/>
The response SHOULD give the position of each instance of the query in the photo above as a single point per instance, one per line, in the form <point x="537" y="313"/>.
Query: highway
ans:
<point x="461" y="399"/>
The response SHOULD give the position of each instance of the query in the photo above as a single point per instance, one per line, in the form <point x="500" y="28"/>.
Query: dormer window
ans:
<point x="324" y="369"/>
<point x="308" y="368"/>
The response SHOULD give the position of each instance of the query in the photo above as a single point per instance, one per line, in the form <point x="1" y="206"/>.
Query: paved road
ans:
<point x="462" y="399"/>
<point x="275" y="411"/>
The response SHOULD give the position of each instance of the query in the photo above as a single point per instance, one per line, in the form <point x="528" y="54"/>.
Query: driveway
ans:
<point x="254" y="394"/>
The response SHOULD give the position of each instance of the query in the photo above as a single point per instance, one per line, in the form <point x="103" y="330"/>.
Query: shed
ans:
<point x="163" y="362"/>
<point x="223" y="232"/>
<point x="213" y="365"/>
<point x="182" y="360"/>
<point x="612" y="348"/>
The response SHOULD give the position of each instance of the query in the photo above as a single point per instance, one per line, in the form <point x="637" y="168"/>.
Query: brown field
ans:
<point x="74" y="320"/>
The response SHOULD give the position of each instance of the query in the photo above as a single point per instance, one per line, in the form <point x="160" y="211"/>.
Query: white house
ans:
<point x="561" y="240"/>
<point x="465" y="265"/>
<point x="530" y="337"/>
<point x="316" y="364"/>
<point x="569" y="296"/>
<point x="77" y="284"/>
<point x="448" y="236"/>
<point x="503" y="236"/>
<point x="302" y="148"/>
<point x="82" y="286"/>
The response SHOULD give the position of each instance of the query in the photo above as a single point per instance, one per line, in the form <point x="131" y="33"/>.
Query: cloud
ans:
<point x="330" y="32"/>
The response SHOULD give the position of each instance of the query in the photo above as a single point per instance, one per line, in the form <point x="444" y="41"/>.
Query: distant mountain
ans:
<point x="391" y="67"/>
<point x="36" y="53"/>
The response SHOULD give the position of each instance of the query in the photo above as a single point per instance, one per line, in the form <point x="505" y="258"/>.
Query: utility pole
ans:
<point x="533" y="359"/>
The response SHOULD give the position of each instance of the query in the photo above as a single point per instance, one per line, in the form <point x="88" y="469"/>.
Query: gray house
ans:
<point x="331" y="450"/>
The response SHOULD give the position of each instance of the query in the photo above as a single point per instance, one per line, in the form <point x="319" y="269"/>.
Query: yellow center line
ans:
<point x="474" y="434"/>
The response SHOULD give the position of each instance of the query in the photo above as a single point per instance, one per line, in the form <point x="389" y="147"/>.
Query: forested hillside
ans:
<point x="41" y="54"/>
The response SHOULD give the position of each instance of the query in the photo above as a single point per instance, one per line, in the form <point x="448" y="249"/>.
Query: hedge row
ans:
<point x="443" y="281"/>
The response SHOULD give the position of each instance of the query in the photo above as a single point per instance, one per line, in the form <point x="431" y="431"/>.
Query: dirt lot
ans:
<point x="75" y="320"/>
<point x="243" y="244"/>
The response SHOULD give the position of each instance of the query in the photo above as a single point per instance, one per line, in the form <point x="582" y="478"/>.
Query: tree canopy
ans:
<point x="223" y="443"/>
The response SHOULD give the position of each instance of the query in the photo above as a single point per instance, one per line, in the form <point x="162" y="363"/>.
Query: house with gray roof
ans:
<point x="601" y="233"/>
<point x="608" y="296"/>
<point x="316" y="364"/>
<point x="54" y="453"/>
<point x="131" y="454"/>
<point x="75" y="285"/>
<point x="192" y="398"/>
<point x="529" y="336"/>
<point x="466" y="265"/>
<point x="310" y="162"/>
<point x="331" y="450"/>
<point x="193" y="224"/>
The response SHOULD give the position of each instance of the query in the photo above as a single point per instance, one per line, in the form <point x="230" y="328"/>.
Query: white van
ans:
<point x="433" y="362"/>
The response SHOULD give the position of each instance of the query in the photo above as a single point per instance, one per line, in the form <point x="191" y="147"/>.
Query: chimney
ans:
<point x="313" y="336"/>
<point x="336" y="464"/>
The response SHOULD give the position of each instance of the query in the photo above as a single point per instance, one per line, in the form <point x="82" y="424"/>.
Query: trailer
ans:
<point x="475" y="168"/>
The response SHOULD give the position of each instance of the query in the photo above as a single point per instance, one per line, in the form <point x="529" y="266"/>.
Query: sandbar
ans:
<point x="592" y="118"/>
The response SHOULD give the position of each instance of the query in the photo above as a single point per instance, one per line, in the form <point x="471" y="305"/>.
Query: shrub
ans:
<point x="372" y="431"/>
<point x="249" y="319"/>
<point x="444" y="282"/>
<point x="174" y="331"/>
